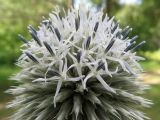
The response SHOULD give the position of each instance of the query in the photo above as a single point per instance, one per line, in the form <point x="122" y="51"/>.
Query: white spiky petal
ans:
<point x="81" y="58"/>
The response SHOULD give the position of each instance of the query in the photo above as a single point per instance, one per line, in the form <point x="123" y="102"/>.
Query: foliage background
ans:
<point x="143" y="17"/>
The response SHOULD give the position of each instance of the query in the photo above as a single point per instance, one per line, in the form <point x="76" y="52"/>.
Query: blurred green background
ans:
<point x="142" y="15"/>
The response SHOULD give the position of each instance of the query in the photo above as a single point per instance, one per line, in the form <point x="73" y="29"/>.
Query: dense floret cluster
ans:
<point x="82" y="66"/>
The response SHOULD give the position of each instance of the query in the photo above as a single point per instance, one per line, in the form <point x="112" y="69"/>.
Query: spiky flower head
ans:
<point x="82" y="66"/>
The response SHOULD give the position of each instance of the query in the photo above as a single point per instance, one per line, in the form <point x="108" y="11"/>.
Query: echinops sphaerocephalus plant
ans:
<point x="82" y="66"/>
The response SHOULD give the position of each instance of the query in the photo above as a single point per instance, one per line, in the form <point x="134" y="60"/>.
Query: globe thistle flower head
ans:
<point x="79" y="67"/>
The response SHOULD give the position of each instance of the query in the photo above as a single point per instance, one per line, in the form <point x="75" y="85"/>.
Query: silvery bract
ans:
<point x="82" y="66"/>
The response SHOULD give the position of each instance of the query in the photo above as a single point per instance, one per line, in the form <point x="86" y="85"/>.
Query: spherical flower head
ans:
<point x="82" y="66"/>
